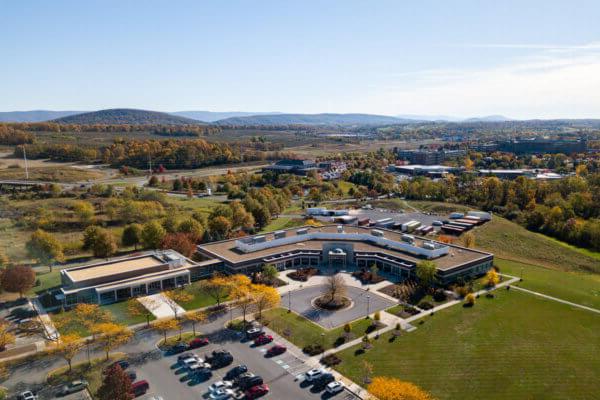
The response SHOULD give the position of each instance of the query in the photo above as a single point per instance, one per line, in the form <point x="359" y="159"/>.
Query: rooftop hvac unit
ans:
<point x="429" y="246"/>
<point x="377" y="232"/>
<point x="340" y="229"/>
<point x="279" y="234"/>
<point x="260" y="239"/>
<point x="302" y="231"/>
<point x="408" y="238"/>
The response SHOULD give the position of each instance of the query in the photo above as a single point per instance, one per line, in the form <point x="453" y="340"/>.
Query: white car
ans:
<point x="334" y="387"/>
<point x="314" y="374"/>
<point x="220" y="385"/>
<point x="197" y="367"/>
<point x="186" y="362"/>
<point x="28" y="395"/>
<point x="222" y="394"/>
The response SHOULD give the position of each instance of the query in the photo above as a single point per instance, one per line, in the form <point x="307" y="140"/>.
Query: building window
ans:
<point x="123" y="293"/>
<point x="139" y="290"/>
<point x="107" y="297"/>
<point x="154" y="287"/>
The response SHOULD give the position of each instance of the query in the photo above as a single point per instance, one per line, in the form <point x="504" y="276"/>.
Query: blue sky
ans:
<point x="523" y="59"/>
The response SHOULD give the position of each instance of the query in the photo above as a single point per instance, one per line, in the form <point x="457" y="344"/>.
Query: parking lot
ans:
<point x="283" y="374"/>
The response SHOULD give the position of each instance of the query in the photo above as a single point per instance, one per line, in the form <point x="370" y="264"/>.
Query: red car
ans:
<point x="198" y="342"/>
<point x="263" y="339"/>
<point x="256" y="391"/>
<point x="276" y="350"/>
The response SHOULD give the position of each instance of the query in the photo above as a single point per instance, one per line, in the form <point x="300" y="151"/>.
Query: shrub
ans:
<point x="462" y="291"/>
<point x="411" y="310"/>
<point x="425" y="305"/>
<point x="470" y="300"/>
<point x="331" y="360"/>
<point x="313" y="349"/>
<point x="439" y="295"/>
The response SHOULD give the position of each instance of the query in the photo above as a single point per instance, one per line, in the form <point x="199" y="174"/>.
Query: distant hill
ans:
<point x="212" y="116"/>
<point x="34" y="115"/>
<point x="117" y="116"/>
<point x="314" y="119"/>
<point x="488" y="118"/>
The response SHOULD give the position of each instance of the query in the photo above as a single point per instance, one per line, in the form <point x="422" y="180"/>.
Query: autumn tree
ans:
<point x="111" y="336"/>
<point x="195" y="317"/>
<point x="219" y="227"/>
<point x="90" y="315"/>
<point x="4" y="261"/>
<point x="180" y="242"/>
<point x="68" y="347"/>
<point x="166" y="325"/>
<point x="492" y="277"/>
<point x="241" y="293"/>
<point x="132" y="235"/>
<point x="104" y="245"/>
<point x="385" y="388"/>
<point x="269" y="273"/>
<point x="217" y="287"/>
<point x="45" y="248"/>
<point x="176" y="296"/>
<point x="153" y="234"/>
<point x="116" y="385"/>
<point x="193" y="228"/>
<point x="367" y="369"/>
<point x="135" y="308"/>
<point x="6" y="336"/>
<point x="426" y="272"/>
<point x="265" y="297"/>
<point x="335" y="287"/>
<point x="84" y="211"/>
<point x="17" y="279"/>
<point x="470" y="299"/>
<point x="468" y="239"/>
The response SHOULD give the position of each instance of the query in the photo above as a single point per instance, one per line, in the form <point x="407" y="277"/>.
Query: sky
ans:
<point x="522" y="59"/>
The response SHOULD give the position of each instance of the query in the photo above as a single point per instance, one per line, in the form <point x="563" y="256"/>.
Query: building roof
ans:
<point x="228" y="250"/>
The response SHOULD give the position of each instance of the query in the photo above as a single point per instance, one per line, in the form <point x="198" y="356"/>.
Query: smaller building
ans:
<point x="434" y="171"/>
<point x="290" y="166"/>
<point x="429" y="157"/>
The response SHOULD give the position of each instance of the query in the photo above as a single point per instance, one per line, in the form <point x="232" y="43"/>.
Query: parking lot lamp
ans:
<point x="290" y="300"/>
<point x="323" y="341"/>
<point x="368" y="304"/>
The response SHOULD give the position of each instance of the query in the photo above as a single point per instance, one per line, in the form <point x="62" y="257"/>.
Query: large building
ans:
<point x="433" y="171"/>
<point x="121" y="278"/>
<point x="428" y="157"/>
<point x="290" y="166"/>
<point x="544" y="145"/>
<point x="346" y="248"/>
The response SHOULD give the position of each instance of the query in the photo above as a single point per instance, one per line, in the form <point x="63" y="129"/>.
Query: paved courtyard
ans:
<point x="301" y="303"/>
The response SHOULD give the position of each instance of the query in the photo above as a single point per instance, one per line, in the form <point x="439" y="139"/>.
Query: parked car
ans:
<point x="236" y="371"/>
<point x="197" y="342"/>
<point x="256" y="391"/>
<point x="121" y="363"/>
<point x="178" y="348"/>
<point x="263" y="339"/>
<point x="198" y="367"/>
<point x="27" y="395"/>
<point x="276" y="350"/>
<point x="184" y="356"/>
<point x="132" y="375"/>
<point x="222" y="394"/>
<point x="220" y="358"/>
<point x="218" y="385"/>
<point x="187" y="362"/>
<point x="73" y="387"/>
<point x="140" y="387"/>
<point x="437" y="223"/>
<point x="313" y="374"/>
<point x="250" y="382"/>
<point x="334" y="387"/>
<point x="254" y="332"/>
<point x="242" y="377"/>
<point x="322" y="381"/>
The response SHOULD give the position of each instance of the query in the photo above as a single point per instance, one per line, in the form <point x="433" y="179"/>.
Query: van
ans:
<point x="139" y="388"/>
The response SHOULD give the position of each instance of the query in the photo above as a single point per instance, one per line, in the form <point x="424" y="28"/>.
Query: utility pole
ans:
<point x="149" y="164"/>
<point x="26" y="168"/>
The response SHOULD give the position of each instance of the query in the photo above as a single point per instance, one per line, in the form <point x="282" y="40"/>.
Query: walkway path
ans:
<point x="161" y="306"/>
<point x="545" y="296"/>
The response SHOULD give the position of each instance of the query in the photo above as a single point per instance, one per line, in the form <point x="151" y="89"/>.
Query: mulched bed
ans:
<point x="303" y="274"/>
<point x="365" y="277"/>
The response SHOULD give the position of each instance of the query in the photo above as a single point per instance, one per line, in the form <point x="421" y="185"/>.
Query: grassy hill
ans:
<point x="314" y="119"/>
<point x="117" y="116"/>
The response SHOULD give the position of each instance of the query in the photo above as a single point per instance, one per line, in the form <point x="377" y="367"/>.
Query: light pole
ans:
<point x="368" y="304"/>
<point x="521" y="274"/>
<point x="290" y="300"/>
<point x="323" y="341"/>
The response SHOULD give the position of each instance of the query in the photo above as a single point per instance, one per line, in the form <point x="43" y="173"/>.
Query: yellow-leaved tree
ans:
<point x="68" y="346"/>
<point x="195" y="317"/>
<point x="492" y="277"/>
<point x="166" y="325"/>
<point x="385" y="388"/>
<point x="111" y="335"/>
<point x="217" y="287"/>
<point x="265" y="297"/>
<point x="241" y="292"/>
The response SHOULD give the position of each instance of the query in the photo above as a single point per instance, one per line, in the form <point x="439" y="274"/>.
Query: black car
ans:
<point x="121" y="363"/>
<point x="178" y="348"/>
<point x="235" y="372"/>
<point x="322" y="381"/>
<point x="219" y="359"/>
<point x="247" y="383"/>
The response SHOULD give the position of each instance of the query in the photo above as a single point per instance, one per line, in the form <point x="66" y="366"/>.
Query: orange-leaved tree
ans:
<point x="385" y="388"/>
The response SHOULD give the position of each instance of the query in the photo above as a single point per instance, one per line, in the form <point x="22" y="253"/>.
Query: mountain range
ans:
<point x="134" y="116"/>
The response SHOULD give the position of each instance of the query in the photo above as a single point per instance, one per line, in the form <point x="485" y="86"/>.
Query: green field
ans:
<point x="283" y="223"/>
<point x="578" y="287"/>
<point x="303" y="332"/>
<point x="516" y="346"/>
<point x="200" y="298"/>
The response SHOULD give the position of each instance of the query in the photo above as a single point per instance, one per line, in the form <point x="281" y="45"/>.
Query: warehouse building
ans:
<point x="339" y="247"/>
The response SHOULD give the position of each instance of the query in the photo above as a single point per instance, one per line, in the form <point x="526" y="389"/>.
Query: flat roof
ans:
<point x="110" y="268"/>
<point x="228" y="251"/>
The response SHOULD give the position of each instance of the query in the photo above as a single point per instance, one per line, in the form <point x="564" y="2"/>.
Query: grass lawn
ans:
<point x="283" y="223"/>
<point x="121" y="315"/>
<point x="516" y="346"/>
<point x="578" y="287"/>
<point x="51" y="174"/>
<point x="305" y="332"/>
<point x="200" y="298"/>
<point x="513" y="242"/>
<point x="92" y="373"/>
<point x="204" y="204"/>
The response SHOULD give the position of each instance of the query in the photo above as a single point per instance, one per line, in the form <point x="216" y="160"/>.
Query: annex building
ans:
<point x="346" y="248"/>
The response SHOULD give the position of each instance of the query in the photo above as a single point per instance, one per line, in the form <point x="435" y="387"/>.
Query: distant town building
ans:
<point x="428" y="157"/>
<point x="515" y="173"/>
<point x="426" y="170"/>
<point x="290" y="166"/>
<point x="544" y="145"/>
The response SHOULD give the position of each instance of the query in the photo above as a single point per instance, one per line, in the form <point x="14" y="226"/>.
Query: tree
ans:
<point x="166" y="325"/>
<point x="45" y="248"/>
<point x="104" y="245"/>
<point x="269" y="273"/>
<point x="468" y="240"/>
<point x="196" y="317"/>
<point x="374" y="271"/>
<point x="265" y="297"/>
<point x="347" y="330"/>
<point x="192" y="228"/>
<point x="219" y="227"/>
<point x="180" y="242"/>
<point x="176" y="296"/>
<point x="6" y="336"/>
<point x="135" y="308"/>
<point x="90" y="315"/>
<point x="84" y="211"/>
<point x="385" y="388"/>
<point x="18" y="279"/>
<point x="470" y="299"/>
<point x="112" y="335"/>
<point x="132" y="235"/>
<point x="242" y="294"/>
<point x="426" y="272"/>
<point x="335" y="287"/>
<point x="367" y="369"/>
<point x="153" y="234"/>
<point x="68" y="346"/>
<point x="217" y="287"/>
<point x="492" y="277"/>
<point x="4" y="261"/>
<point x="116" y="385"/>
<point x="90" y="235"/>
